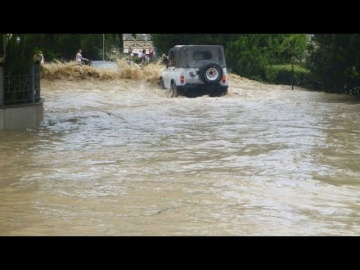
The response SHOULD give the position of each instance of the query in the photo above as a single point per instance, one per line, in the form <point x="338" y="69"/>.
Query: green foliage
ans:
<point x="19" y="51"/>
<point x="291" y="48"/>
<point x="246" y="54"/>
<point x="334" y="59"/>
<point x="164" y="42"/>
<point x="289" y="67"/>
<point x="99" y="46"/>
<point x="291" y="75"/>
<point x="65" y="46"/>
<point x="51" y="56"/>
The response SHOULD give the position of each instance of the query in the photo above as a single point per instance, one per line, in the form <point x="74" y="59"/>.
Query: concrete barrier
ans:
<point x="21" y="106"/>
<point x="24" y="116"/>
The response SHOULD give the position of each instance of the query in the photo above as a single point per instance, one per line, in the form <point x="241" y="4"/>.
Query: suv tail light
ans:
<point x="223" y="78"/>
<point x="182" y="79"/>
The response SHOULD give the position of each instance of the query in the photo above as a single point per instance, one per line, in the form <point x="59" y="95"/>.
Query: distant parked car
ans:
<point x="104" y="65"/>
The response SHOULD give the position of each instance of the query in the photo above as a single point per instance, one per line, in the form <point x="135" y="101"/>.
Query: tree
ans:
<point x="19" y="50"/>
<point x="335" y="61"/>
<point x="164" y="42"/>
<point x="248" y="55"/>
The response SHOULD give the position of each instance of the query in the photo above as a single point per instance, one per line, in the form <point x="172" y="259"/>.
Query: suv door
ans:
<point x="170" y="70"/>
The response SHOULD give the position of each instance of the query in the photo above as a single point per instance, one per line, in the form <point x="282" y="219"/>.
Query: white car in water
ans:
<point x="104" y="65"/>
<point x="194" y="70"/>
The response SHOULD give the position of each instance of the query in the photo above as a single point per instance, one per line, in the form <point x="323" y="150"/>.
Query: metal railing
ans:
<point x="20" y="89"/>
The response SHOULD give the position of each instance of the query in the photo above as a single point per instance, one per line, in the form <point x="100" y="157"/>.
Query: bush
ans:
<point x="285" y="74"/>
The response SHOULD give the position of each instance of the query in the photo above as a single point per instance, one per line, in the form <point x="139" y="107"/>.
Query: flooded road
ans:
<point x="120" y="158"/>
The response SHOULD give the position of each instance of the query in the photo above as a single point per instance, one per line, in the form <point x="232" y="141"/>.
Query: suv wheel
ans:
<point x="174" y="90"/>
<point x="161" y="83"/>
<point x="210" y="73"/>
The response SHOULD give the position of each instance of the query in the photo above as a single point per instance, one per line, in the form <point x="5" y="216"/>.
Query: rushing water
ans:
<point x="120" y="158"/>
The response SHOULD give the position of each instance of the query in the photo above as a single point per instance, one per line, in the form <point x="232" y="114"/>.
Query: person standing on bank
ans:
<point x="39" y="58"/>
<point x="151" y="53"/>
<point x="79" y="58"/>
<point x="42" y="60"/>
<point x="144" y="58"/>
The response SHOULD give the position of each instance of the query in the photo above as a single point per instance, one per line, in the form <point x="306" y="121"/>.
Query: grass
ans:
<point x="297" y="68"/>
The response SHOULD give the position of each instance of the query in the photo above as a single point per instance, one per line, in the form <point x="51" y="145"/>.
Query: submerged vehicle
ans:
<point x="195" y="70"/>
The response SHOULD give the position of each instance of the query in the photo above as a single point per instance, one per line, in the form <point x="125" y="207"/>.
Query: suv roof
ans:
<point x="185" y="57"/>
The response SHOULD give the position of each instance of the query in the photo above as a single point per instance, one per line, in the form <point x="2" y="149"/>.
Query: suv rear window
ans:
<point x="202" y="55"/>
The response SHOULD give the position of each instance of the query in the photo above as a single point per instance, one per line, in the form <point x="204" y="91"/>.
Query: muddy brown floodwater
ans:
<point x="120" y="158"/>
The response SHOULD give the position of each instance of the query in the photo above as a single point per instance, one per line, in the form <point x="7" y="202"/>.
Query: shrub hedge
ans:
<point x="288" y="75"/>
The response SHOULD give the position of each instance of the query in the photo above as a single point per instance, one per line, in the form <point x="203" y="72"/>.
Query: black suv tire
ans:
<point x="210" y="73"/>
<point x="174" y="90"/>
<point x="161" y="83"/>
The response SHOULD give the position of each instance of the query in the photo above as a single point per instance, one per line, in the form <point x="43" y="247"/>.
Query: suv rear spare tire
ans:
<point x="210" y="73"/>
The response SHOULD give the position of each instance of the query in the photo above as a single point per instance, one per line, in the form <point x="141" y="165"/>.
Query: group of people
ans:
<point x="145" y="58"/>
<point x="39" y="57"/>
<point x="80" y="60"/>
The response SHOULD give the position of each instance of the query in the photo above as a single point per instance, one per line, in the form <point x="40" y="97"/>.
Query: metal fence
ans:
<point x="20" y="89"/>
